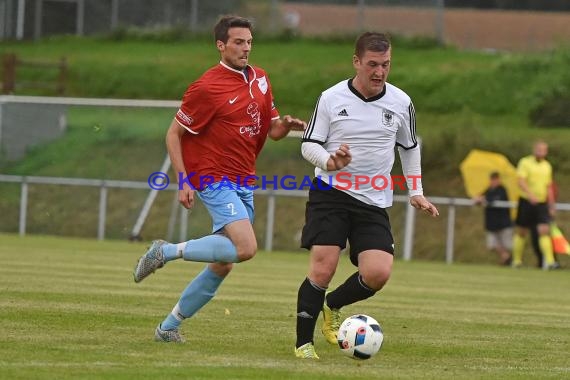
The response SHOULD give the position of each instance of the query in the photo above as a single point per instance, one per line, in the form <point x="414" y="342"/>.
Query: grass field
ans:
<point x="70" y="309"/>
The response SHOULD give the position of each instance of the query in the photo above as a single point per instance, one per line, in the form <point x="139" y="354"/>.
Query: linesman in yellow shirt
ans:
<point x="536" y="204"/>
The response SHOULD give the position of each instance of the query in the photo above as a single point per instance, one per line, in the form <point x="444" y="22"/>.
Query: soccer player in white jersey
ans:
<point x="352" y="136"/>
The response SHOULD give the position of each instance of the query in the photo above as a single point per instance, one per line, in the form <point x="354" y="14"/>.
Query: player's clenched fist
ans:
<point x="340" y="158"/>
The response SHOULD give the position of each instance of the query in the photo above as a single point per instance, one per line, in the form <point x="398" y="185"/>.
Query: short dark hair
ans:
<point x="494" y="175"/>
<point x="372" y="41"/>
<point x="227" y="22"/>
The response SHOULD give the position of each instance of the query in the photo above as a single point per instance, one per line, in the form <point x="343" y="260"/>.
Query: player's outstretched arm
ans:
<point x="421" y="203"/>
<point x="281" y="127"/>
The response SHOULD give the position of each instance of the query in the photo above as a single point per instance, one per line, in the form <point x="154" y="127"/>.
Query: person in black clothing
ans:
<point x="535" y="246"/>
<point x="498" y="222"/>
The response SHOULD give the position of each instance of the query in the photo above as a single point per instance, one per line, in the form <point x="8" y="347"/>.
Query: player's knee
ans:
<point x="543" y="230"/>
<point x="322" y="275"/>
<point x="221" y="269"/>
<point x="246" y="250"/>
<point x="377" y="278"/>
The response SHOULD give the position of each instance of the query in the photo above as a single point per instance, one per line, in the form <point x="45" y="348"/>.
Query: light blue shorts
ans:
<point x="226" y="204"/>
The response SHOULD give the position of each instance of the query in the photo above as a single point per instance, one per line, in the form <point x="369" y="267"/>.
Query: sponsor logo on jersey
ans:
<point x="255" y="127"/>
<point x="185" y="119"/>
<point x="343" y="112"/>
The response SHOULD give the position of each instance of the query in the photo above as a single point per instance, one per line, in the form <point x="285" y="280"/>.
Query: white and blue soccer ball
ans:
<point x="360" y="337"/>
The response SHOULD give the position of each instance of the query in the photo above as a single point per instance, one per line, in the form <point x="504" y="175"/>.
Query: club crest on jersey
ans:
<point x="387" y="118"/>
<point x="262" y="84"/>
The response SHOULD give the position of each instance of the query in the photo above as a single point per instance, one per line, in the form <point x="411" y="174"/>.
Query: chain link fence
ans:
<point x="468" y="28"/>
<point x="35" y="19"/>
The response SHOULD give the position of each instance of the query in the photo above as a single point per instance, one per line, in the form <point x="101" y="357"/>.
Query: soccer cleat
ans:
<point x="555" y="265"/>
<point x="161" y="335"/>
<point x="331" y="324"/>
<point x="152" y="260"/>
<point x="306" y="351"/>
<point x="507" y="262"/>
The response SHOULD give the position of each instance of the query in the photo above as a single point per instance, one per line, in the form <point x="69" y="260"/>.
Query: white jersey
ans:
<point x="372" y="128"/>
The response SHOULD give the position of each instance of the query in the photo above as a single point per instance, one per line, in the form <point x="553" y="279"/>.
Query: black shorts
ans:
<point x="529" y="215"/>
<point x="332" y="217"/>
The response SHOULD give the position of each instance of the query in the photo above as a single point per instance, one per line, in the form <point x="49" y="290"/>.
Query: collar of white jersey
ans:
<point x="370" y="99"/>
<point x="241" y="72"/>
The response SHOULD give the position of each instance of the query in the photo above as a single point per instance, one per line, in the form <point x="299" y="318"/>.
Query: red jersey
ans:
<point x="227" y="117"/>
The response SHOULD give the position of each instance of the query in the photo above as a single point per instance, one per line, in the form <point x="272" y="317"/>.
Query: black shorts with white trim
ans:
<point x="332" y="217"/>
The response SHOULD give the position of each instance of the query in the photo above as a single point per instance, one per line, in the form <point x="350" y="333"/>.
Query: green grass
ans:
<point x="464" y="100"/>
<point x="439" y="79"/>
<point x="69" y="310"/>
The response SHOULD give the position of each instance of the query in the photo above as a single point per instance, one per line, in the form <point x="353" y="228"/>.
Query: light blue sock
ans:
<point x="209" y="249"/>
<point x="171" y="252"/>
<point x="193" y="298"/>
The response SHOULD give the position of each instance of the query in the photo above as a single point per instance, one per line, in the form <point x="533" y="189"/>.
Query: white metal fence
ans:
<point x="272" y="195"/>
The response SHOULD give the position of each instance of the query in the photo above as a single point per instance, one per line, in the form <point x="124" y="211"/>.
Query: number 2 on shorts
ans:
<point x="232" y="209"/>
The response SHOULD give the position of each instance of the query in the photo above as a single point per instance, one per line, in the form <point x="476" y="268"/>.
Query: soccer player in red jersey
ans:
<point x="213" y="142"/>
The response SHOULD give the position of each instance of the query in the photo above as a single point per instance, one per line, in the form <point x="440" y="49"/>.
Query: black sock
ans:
<point x="309" y="304"/>
<point x="354" y="289"/>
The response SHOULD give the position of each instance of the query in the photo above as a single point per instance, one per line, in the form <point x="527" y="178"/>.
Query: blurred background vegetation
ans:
<point x="496" y="101"/>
